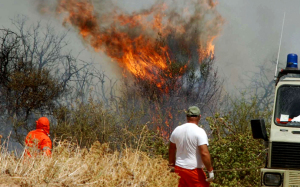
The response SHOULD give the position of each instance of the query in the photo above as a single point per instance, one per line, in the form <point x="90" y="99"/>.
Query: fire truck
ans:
<point x="283" y="154"/>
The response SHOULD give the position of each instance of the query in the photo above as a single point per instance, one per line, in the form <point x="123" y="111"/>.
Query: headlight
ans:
<point x="272" y="179"/>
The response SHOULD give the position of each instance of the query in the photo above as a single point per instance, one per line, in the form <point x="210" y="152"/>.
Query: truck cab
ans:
<point x="283" y="160"/>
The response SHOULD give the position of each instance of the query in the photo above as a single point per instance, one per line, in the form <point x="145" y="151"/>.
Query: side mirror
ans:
<point x="259" y="129"/>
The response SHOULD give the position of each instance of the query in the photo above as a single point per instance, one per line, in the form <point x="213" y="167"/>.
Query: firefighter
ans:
<point x="188" y="152"/>
<point x="38" y="141"/>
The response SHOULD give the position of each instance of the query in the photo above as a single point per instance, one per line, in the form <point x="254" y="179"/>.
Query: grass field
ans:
<point x="70" y="165"/>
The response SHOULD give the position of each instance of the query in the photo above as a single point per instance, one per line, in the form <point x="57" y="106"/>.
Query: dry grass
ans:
<point x="98" y="166"/>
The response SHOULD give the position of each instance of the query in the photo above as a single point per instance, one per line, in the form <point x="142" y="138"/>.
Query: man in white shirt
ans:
<point x="188" y="152"/>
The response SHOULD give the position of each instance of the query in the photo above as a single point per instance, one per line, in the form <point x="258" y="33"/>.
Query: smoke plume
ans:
<point x="147" y="42"/>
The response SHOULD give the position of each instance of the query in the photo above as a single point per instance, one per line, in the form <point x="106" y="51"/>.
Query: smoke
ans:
<point x="166" y="49"/>
<point x="250" y="35"/>
<point x="161" y="47"/>
<point x="109" y="28"/>
<point x="250" y="38"/>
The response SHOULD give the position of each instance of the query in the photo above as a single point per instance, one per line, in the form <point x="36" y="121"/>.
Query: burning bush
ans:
<point x="165" y="52"/>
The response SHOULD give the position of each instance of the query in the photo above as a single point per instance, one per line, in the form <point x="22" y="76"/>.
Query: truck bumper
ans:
<point x="280" y="178"/>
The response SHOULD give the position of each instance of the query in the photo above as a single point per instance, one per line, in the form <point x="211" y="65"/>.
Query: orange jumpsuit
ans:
<point x="38" y="141"/>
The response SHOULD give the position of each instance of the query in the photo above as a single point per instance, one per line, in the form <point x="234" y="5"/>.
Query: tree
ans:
<point x="24" y="88"/>
<point x="37" y="74"/>
<point x="189" y="79"/>
<point x="262" y="84"/>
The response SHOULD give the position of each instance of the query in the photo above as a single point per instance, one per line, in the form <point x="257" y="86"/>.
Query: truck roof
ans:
<point x="284" y="72"/>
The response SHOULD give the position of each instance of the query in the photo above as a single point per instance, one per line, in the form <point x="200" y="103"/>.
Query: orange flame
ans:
<point x="131" y="40"/>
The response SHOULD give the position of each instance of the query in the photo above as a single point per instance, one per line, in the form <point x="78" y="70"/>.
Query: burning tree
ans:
<point x="166" y="52"/>
<point x="185" y="83"/>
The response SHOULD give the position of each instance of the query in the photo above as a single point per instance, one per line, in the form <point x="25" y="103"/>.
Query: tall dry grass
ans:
<point x="71" y="165"/>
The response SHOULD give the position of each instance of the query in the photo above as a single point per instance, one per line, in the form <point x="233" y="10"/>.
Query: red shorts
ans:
<point x="191" y="177"/>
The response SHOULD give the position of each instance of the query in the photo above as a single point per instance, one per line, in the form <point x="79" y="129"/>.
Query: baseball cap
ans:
<point x="193" y="111"/>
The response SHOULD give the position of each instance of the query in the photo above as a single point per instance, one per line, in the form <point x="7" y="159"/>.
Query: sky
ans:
<point x="249" y="38"/>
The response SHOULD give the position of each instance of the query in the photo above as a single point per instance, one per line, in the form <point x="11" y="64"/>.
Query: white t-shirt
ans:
<point x="187" y="138"/>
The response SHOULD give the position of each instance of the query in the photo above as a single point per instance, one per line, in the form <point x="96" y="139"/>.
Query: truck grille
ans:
<point x="294" y="178"/>
<point x="285" y="155"/>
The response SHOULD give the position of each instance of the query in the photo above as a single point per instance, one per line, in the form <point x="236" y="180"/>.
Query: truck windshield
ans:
<point x="287" y="111"/>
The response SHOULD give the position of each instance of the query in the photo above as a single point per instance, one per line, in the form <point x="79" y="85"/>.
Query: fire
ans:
<point x="155" y="47"/>
<point x="133" y="40"/>
<point x="211" y="48"/>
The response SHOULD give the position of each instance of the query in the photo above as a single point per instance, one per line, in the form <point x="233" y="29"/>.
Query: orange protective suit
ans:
<point x="38" y="141"/>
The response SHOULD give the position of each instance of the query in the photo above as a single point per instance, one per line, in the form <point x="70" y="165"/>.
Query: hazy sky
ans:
<point x="249" y="38"/>
<point x="251" y="35"/>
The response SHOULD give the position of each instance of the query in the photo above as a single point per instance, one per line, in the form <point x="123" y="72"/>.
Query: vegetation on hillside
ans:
<point x="137" y="156"/>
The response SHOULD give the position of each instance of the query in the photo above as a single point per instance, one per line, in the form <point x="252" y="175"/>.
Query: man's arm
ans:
<point x="205" y="156"/>
<point x="172" y="154"/>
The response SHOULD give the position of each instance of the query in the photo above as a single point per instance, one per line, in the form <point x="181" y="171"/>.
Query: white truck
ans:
<point x="283" y="156"/>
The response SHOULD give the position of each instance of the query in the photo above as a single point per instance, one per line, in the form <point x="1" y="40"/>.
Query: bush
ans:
<point x="236" y="156"/>
<point x="87" y="123"/>
<point x="241" y="157"/>
<point x="84" y="123"/>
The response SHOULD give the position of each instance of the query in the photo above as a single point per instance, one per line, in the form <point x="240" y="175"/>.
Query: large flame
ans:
<point x="132" y="40"/>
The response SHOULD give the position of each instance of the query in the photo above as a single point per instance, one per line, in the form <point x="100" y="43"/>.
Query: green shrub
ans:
<point x="236" y="156"/>
<point x="239" y="154"/>
<point x="122" y="128"/>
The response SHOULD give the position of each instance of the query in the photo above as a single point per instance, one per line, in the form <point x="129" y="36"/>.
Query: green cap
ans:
<point x="193" y="111"/>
